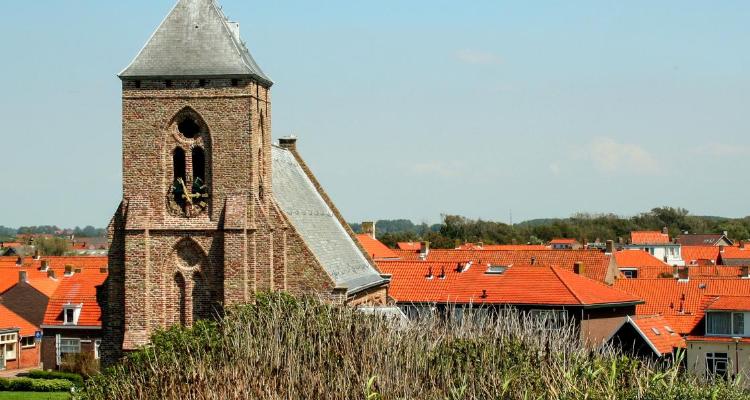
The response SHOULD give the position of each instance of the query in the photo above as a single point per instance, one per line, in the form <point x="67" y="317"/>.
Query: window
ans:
<point x="70" y="346"/>
<point x="97" y="345"/>
<point x="8" y="345"/>
<point x="549" y="319"/>
<point x="188" y="128"/>
<point x="725" y="323"/>
<point x="199" y="165"/>
<point x="71" y="314"/>
<point x="630" y="273"/>
<point x="716" y="364"/>
<point x="28" y="342"/>
<point x="178" y="163"/>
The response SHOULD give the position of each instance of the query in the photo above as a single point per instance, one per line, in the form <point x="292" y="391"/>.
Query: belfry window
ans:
<point x="199" y="165"/>
<point x="188" y="128"/>
<point x="178" y="163"/>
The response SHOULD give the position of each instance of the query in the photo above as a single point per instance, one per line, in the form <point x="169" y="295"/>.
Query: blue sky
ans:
<point x="410" y="109"/>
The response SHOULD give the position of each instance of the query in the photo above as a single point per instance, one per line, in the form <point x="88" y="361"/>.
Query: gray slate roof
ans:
<point x="195" y="40"/>
<point x="318" y="226"/>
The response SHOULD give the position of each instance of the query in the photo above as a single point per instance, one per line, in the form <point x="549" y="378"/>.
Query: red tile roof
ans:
<point x="10" y="245"/>
<point x="648" y="237"/>
<point x="476" y="246"/>
<point x="660" y="335"/>
<point x="596" y="263"/>
<point x="637" y="258"/>
<point x="442" y="282"/>
<point x="730" y="303"/>
<point x="9" y="319"/>
<point x="563" y="241"/>
<point x="375" y="248"/>
<point x="38" y="279"/>
<point x="413" y="246"/>
<point x="718" y="339"/>
<point x="694" y="271"/>
<point x="79" y="289"/>
<point x="732" y="252"/>
<point x="681" y="303"/>
<point x="700" y="254"/>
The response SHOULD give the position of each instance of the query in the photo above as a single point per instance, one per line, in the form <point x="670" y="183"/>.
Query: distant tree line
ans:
<point x="584" y="227"/>
<point x="87" y="231"/>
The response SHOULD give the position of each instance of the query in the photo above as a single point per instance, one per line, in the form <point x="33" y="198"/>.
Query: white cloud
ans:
<point x="610" y="156"/>
<point x="478" y="57"/>
<point x="437" y="168"/>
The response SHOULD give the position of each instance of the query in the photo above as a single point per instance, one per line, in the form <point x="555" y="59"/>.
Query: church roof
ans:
<point x="316" y="223"/>
<point x="195" y="40"/>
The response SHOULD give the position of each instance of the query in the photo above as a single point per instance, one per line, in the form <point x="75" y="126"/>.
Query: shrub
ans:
<point x="83" y="364"/>
<point x="281" y="347"/>
<point x="35" y="385"/>
<point x="76" y="379"/>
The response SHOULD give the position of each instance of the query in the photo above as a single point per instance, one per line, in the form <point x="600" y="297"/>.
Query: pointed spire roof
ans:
<point x="195" y="40"/>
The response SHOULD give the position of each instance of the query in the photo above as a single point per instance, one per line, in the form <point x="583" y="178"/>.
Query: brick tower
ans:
<point x="202" y="225"/>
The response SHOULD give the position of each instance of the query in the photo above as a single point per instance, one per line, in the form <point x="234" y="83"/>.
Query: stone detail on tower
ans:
<point x="211" y="212"/>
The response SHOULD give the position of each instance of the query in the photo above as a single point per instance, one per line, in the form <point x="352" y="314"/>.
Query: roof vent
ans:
<point x="656" y="331"/>
<point x="533" y="260"/>
<point x="45" y="266"/>
<point x="668" y="329"/>
<point x="22" y="277"/>
<point x="429" y="274"/>
<point x="51" y="274"/>
<point x="69" y="271"/>
<point x="702" y="286"/>
<point x="484" y="294"/>
<point x="442" y="273"/>
<point x="19" y="261"/>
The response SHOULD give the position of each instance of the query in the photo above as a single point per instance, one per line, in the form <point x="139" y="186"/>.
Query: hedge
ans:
<point x="69" y="376"/>
<point x="35" y="385"/>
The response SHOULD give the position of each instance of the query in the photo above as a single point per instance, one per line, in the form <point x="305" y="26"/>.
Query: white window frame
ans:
<point x="27" y="346"/>
<point x="713" y="360"/>
<point x="73" y="344"/>
<point x="732" y="331"/>
<point x="626" y="270"/>
<point x="9" y="345"/>
<point x="76" y="310"/>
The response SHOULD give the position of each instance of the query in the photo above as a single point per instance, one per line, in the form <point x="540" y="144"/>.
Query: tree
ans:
<point x="53" y="246"/>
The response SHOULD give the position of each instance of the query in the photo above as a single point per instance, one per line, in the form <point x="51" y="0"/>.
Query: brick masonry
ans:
<point x="169" y="268"/>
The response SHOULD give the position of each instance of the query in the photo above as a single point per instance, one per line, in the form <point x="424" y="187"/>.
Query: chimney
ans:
<point x="424" y="249"/>
<point x="745" y="272"/>
<point x="620" y="240"/>
<point x="51" y="274"/>
<point x="578" y="268"/>
<point x="45" y="265"/>
<point x="22" y="277"/>
<point x="721" y="249"/>
<point x="36" y="254"/>
<point x="288" y="142"/>
<point x="429" y="273"/>
<point x="19" y="261"/>
<point x="533" y="260"/>
<point x="480" y="245"/>
<point x="665" y="230"/>
<point x="742" y="244"/>
<point x="684" y="273"/>
<point x="69" y="270"/>
<point x="675" y="272"/>
<point x="610" y="249"/>
<point x="368" y="228"/>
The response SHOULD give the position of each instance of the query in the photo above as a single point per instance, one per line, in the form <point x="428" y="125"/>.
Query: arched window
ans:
<point x="179" y="281"/>
<point x="178" y="163"/>
<point x="199" y="165"/>
<point x="188" y="128"/>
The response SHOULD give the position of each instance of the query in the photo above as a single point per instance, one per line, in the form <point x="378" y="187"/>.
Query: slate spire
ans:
<point x="195" y="40"/>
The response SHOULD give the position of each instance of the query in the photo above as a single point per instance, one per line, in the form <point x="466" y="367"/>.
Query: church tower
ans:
<point x="202" y="225"/>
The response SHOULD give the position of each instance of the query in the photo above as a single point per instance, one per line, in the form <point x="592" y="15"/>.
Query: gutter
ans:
<point x="71" y="327"/>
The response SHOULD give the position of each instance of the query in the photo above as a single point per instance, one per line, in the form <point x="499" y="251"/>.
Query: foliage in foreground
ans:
<point x="282" y="348"/>
<point x="35" y="385"/>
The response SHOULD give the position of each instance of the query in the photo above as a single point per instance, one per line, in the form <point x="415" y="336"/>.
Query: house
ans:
<point x="632" y="262"/>
<point x="731" y="255"/>
<point x="564" y="244"/>
<point x="375" y="248"/>
<point x="700" y="255"/>
<point x="647" y="336"/>
<point x="595" y="264"/>
<point x="409" y="246"/>
<point x="482" y="246"/>
<point x="539" y="291"/>
<point x="72" y="320"/>
<point x="657" y="244"/>
<point x="720" y="343"/>
<point x="704" y="240"/>
<point x="18" y="345"/>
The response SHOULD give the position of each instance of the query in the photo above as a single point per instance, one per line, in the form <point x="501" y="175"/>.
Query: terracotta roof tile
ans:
<point x="464" y="283"/>
<point x="648" y="237"/>
<point x="637" y="258"/>
<point x="9" y="319"/>
<point x="730" y="303"/>
<point x="413" y="246"/>
<point x="735" y="253"/>
<point x="696" y="254"/>
<point x="77" y="289"/>
<point x="658" y="331"/>
<point x="376" y="248"/>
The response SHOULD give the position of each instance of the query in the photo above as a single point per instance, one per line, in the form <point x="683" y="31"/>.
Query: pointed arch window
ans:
<point x="181" y="285"/>
<point x="178" y="163"/>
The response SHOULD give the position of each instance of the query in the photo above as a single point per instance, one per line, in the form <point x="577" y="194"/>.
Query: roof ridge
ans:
<point x="565" y="283"/>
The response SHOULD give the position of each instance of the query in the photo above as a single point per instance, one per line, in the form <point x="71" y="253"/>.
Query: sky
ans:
<point x="413" y="109"/>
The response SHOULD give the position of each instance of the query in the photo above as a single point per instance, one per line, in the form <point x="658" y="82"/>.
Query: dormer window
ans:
<point x="725" y="323"/>
<point x="71" y="313"/>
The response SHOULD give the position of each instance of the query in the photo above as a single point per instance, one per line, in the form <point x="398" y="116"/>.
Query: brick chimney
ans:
<point x="745" y="274"/>
<point x="23" y="277"/>
<point x="288" y="142"/>
<point x="45" y="266"/>
<point x="368" y="228"/>
<point x="610" y="249"/>
<point x="578" y="268"/>
<point x="742" y="244"/>
<point x="36" y="254"/>
<point x="19" y="261"/>
<point x="683" y="274"/>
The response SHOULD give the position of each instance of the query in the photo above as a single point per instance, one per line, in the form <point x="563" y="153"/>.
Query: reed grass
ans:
<point x="286" y="348"/>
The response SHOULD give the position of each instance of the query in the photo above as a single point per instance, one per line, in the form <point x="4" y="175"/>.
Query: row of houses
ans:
<point x="639" y="295"/>
<point x="49" y="310"/>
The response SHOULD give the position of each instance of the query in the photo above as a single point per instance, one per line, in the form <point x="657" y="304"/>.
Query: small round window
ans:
<point x="188" y="128"/>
